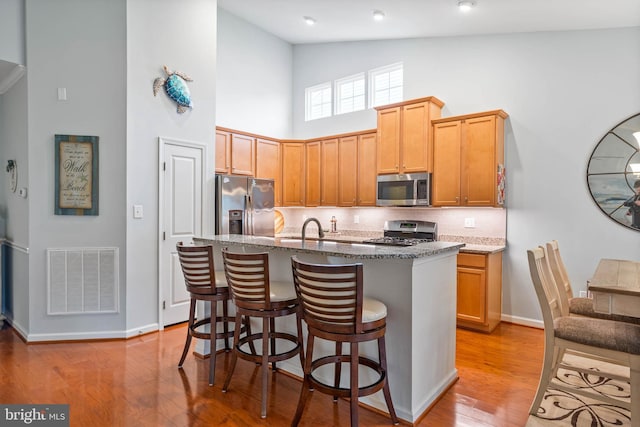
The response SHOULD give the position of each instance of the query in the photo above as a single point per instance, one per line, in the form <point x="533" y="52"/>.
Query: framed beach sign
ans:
<point x="76" y="175"/>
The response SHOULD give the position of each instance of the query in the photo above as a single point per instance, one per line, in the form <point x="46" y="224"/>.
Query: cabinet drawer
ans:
<point x="472" y="260"/>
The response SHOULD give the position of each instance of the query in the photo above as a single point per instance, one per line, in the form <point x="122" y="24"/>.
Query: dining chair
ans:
<point x="580" y="306"/>
<point x="608" y="339"/>
<point x="256" y="296"/>
<point x="335" y="309"/>
<point x="204" y="283"/>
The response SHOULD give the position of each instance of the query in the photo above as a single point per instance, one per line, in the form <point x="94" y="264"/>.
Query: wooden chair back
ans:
<point x="545" y="287"/>
<point x="331" y="296"/>
<point x="248" y="278"/>
<point x="558" y="269"/>
<point x="198" y="269"/>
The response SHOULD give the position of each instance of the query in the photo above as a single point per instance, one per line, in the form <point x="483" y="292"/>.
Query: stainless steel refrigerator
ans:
<point x="244" y="205"/>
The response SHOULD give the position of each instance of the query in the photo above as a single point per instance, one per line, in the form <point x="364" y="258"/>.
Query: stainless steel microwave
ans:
<point x="404" y="190"/>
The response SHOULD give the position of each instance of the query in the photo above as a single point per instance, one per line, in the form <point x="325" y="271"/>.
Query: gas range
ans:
<point x="406" y="233"/>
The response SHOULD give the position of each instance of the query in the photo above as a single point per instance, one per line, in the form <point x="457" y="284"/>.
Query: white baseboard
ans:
<point x="141" y="330"/>
<point x="100" y="335"/>
<point x="534" y="323"/>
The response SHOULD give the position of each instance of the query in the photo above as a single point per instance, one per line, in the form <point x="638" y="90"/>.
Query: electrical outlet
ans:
<point x="356" y="219"/>
<point x="470" y="223"/>
<point x="304" y="217"/>
<point x="583" y="294"/>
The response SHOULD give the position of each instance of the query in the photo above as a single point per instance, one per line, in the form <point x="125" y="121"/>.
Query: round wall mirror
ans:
<point x="613" y="173"/>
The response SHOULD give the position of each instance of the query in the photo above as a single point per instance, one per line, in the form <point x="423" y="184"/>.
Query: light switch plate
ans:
<point x="469" y="222"/>
<point x="137" y="211"/>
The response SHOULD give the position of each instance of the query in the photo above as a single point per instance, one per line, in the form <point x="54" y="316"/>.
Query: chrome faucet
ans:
<point x="304" y="227"/>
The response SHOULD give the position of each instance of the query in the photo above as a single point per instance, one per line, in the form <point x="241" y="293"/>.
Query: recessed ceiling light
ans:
<point x="466" y="5"/>
<point x="378" y="15"/>
<point x="309" y="20"/>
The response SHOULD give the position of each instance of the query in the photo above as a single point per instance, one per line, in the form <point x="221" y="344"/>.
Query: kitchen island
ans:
<point x="418" y="286"/>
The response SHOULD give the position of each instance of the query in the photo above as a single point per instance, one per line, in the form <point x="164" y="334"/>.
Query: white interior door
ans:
<point x="180" y="218"/>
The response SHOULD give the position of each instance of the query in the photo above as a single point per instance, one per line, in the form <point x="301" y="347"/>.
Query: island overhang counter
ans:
<point x="418" y="286"/>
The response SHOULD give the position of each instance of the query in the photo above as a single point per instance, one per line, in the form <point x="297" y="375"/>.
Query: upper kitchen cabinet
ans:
<point x="223" y="152"/>
<point x="293" y="161"/>
<point x="235" y="153"/>
<point x="468" y="160"/>
<point x="313" y="174"/>
<point x="405" y="135"/>
<point x="329" y="172"/>
<point x="366" y="177"/>
<point x="347" y="167"/>
<point x="268" y="165"/>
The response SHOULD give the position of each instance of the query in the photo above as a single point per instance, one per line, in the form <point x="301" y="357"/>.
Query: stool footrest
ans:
<point x="346" y="392"/>
<point x="207" y="321"/>
<point x="277" y="357"/>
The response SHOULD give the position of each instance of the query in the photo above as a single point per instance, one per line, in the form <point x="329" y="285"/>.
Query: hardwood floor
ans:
<point x="137" y="383"/>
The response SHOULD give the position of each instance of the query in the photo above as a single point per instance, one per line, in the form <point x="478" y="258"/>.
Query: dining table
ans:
<point x="615" y="287"/>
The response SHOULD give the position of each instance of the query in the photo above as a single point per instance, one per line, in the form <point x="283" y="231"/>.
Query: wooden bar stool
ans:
<point x="335" y="309"/>
<point x="204" y="283"/>
<point x="256" y="296"/>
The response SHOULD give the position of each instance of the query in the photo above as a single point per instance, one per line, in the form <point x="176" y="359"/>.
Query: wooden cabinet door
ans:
<point x="388" y="150"/>
<point x="367" y="183"/>
<point x="293" y="159"/>
<point x="478" y="181"/>
<point x="329" y="173"/>
<point x="268" y="165"/>
<point x="347" y="171"/>
<point x="242" y="155"/>
<point x="472" y="291"/>
<point x="415" y="138"/>
<point x="312" y="174"/>
<point x="445" y="182"/>
<point x="223" y="152"/>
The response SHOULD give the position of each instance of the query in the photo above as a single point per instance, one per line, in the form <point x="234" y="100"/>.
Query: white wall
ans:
<point x="106" y="53"/>
<point x="563" y="91"/>
<point x="182" y="36"/>
<point x="254" y="79"/>
<point x="12" y="31"/>
<point x="79" y="45"/>
<point x="14" y="210"/>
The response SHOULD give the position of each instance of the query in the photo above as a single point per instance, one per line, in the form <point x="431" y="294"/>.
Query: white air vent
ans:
<point x="82" y="280"/>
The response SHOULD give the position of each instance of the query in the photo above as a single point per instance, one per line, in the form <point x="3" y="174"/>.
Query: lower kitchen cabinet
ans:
<point x="479" y="291"/>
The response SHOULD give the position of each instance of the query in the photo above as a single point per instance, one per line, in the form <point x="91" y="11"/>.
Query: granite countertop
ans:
<point x="478" y="245"/>
<point x="345" y="249"/>
<point x="481" y="249"/>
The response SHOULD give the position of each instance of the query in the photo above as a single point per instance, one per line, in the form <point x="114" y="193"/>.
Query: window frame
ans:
<point x="308" y="94"/>
<point x="387" y="69"/>
<point x="338" y="92"/>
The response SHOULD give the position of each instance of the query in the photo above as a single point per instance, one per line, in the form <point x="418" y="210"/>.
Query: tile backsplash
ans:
<point x="488" y="222"/>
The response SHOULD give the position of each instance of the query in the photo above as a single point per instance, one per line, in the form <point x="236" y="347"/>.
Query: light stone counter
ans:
<point x="326" y="247"/>
<point x="418" y="286"/>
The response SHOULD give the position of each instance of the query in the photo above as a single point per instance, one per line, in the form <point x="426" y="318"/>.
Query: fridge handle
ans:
<point x="250" y="214"/>
<point x="245" y="216"/>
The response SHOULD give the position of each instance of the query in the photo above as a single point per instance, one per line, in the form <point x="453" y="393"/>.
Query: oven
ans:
<point x="404" y="190"/>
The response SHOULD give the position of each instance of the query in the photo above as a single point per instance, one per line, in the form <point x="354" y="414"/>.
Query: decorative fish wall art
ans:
<point x="175" y="85"/>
